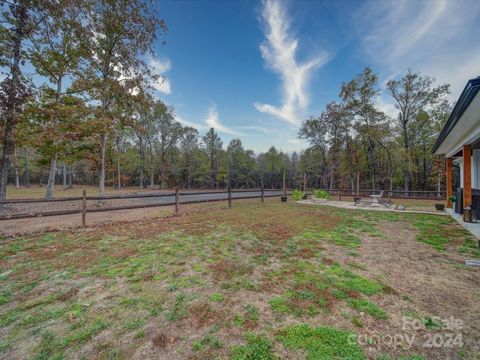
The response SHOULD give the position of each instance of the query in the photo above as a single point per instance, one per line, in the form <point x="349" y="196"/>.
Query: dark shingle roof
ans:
<point x="471" y="89"/>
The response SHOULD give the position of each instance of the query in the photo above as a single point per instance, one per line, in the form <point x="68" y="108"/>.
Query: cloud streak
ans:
<point x="436" y="38"/>
<point x="160" y="67"/>
<point x="212" y="120"/>
<point x="279" y="51"/>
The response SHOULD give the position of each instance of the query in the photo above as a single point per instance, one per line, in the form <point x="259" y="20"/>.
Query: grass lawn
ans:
<point x="272" y="281"/>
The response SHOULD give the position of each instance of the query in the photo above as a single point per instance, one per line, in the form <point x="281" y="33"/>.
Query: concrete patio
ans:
<point x="474" y="228"/>
<point x="352" y="206"/>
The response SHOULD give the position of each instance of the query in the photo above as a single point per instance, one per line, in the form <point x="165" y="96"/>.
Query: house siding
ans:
<point x="476" y="169"/>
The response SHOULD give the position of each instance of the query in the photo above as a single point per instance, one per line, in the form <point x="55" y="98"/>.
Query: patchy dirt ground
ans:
<point x="252" y="282"/>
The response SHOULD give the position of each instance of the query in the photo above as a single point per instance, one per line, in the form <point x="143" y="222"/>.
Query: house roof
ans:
<point x="468" y="94"/>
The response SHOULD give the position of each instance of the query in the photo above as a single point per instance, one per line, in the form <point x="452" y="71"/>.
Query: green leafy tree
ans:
<point x="273" y="163"/>
<point x="120" y="33"/>
<point x="359" y="96"/>
<point x="18" y="23"/>
<point x="241" y="164"/>
<point x="413" y="94"/>
<point x="190" y="159"/>
<point x="168" y="134"/>
<point x="315" y="130"/>
<point x="56" y="54"/>
<point x="213" y="146"/>
<point x="144" y="129"/>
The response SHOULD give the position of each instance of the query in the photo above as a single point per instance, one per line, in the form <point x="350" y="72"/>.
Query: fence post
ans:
<point x="263" y="195"/>
<point x="84" y="207"/>
<point x="177" y="197"/>
<point x="229" y="196"/>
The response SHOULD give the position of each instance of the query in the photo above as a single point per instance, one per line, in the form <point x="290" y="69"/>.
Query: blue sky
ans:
<point x="255" y="69"/>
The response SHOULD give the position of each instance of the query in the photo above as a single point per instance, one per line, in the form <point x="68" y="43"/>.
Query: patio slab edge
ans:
<point x="345" y="205"/>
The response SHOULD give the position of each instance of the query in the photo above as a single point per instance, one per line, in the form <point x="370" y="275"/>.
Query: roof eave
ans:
<point x="471" y="89"/>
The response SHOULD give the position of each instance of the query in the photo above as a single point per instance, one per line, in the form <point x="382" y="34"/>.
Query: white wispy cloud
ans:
<point x="160" y="67"/>
<point x="386" y="106"/>
<point x="213" y="120"/>
<point x="257" y="128"/>
<point x="196" y="125"/>
<point x="436" y="38"/>
<point x="279" y="51"/>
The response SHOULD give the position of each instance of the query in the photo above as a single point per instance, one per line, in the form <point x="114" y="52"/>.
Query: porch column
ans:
<point x="467" y="175"/>
<point x="448" y="185"/>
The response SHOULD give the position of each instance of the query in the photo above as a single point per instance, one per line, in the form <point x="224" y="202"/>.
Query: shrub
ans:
<point x="321" y="194"/>
<point x="452" y="198"/>
<point x="297" y="195"/>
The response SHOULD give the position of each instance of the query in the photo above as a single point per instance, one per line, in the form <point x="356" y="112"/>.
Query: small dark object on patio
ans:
<point x="467" y="214"/>
<point x="440" y="207"/>
<point x="356" y="199"/>
<point x="305" y="197"/>
<point x="284" y="199"/>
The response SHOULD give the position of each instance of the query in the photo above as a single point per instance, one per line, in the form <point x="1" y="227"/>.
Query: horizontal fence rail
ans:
<point x="177" y="198"/>
<point x="95" y="204"/>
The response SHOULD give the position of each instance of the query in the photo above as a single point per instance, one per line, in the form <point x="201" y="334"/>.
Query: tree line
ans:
<point x="353" y="140"/>
<point x="87" y="115"/>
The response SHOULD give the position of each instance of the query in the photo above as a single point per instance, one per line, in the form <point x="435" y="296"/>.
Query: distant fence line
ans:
<point x="177" y="201"/>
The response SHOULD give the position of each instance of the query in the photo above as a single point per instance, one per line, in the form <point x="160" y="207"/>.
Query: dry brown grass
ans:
<point x="171" y="287"/>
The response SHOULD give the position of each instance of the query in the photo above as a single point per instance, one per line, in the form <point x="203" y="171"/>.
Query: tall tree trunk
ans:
<point x="152" y="168"/>
<point x="51" y="178"/>
<point x="53" y="161"/>
<point x="189" y="177"/>
<point x="119" y="177"/>
<point x="424" y="175"/>
<point x="17" y="176"/>
<point x="372" y="162"/>
<point x="217" y="170"/>
<point x="101" y="180"/>
<point x="27" y="170"/>
<point x="10" y="112"/>
<point x="142" y="161"/>
<point x="358" y="183"/>
<point x="325" y="169"/>
<point x="8" y="141"/>
<point x="212" y="173"/>
<point x="406" y="179"/>
<point x="162" y="170"/>
<point x="406" y="170"/>
<point x="64" y="175"/>
<point x="390" y="166"/>
<point x="70" y="176"/>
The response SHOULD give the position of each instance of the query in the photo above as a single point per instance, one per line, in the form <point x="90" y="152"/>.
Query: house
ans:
<point x="459" y="142"/>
